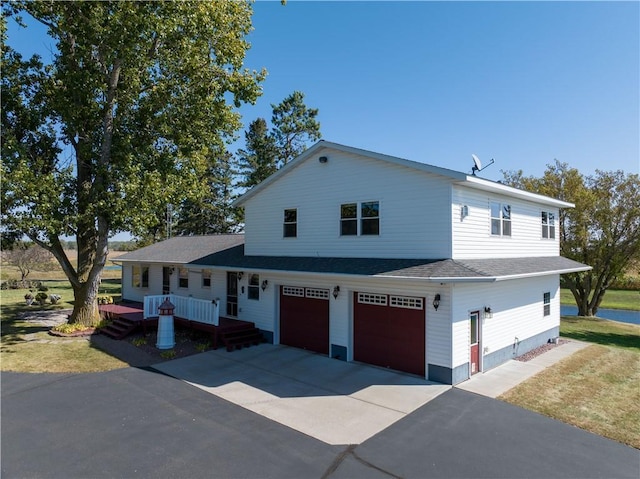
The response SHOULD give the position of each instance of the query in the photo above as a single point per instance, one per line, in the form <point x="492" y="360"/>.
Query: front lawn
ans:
<point x="27" y="346"/>
<point x="597" y="388"/>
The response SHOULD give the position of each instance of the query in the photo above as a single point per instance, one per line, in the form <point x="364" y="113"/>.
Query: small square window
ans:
<point x="290" y="226"/>
<point x="254" y="286"/>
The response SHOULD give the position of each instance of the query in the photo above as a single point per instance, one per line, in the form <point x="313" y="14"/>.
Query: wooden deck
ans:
<point x="227" y="329"/>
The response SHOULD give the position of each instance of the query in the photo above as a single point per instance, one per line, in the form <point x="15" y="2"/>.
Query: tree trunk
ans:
<point x="85" y="307"/>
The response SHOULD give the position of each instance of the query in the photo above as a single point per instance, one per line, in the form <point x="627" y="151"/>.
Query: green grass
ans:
<point x="596" y="388"/>
<point x="27" y="347"/>
<point x="613" y="299"/>
<point x="601" y="331"/>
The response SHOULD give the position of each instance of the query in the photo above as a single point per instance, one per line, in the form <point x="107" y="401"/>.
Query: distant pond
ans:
<point x="113" y="267"/>
<point x="622" y="315"/>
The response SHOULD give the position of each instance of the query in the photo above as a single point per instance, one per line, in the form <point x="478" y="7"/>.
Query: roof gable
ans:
<point x="456" y="177"/>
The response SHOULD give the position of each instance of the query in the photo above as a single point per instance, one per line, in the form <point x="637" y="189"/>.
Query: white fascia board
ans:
<point x="495" y="187"/>
<point x="543" y="273"/>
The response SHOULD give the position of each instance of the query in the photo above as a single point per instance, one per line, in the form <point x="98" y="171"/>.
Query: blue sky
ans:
<point x="521" y="82"/>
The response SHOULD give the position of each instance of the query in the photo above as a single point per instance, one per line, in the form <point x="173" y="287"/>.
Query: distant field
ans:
<point x="55" y="272"/>
<point x="613" y="299"/>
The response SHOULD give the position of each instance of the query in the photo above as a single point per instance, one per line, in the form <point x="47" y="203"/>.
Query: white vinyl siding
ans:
<point x="414" y="210"/>
<point x="517" y="313"/>
<point x="472" y="238"/>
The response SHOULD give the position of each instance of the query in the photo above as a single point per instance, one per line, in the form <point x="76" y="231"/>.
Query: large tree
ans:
<point x="259" y="159"/>
<point x="136" y="99"/>
<point x="603" y="230"/>
<point x="294" y="126"/>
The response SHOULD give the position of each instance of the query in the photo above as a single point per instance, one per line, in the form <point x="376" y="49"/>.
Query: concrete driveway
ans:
<point x="330" y="400"/>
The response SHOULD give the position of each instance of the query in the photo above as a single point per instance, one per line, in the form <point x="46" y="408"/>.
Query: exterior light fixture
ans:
<point x="323" y="159"/>
<point x="336" y="292"/>
<point x="487" y="312"/>
<point x="172" y="269"/>
<point x="240" y="275"/>
<point x="264" y="284"/>
<point x="436" y="301"/>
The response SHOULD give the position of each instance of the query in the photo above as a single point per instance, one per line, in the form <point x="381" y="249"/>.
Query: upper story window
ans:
<point x="254" y="286"/>
<point x="547" y="304"/>
<point x="290" y="227"/>
<point x="183" y="278"/>
<point x="206" y="278"/>
<point x="360" y="218"/>
<point x="548" y="225"/>
<point x="140" y="276"/>
<point x="500" y="219"/>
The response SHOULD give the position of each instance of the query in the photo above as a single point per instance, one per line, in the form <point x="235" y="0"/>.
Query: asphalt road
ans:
<point x="139" y="423"/>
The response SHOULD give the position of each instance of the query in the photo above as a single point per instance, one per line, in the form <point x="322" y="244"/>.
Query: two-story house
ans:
<point x="371" y="258"/>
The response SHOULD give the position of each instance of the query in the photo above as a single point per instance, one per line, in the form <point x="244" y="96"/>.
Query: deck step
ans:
<point x="120" y="328"/>
<point x="242" y="337"/>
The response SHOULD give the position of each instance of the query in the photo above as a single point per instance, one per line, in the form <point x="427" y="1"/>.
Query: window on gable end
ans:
<point x="349" y="219"/>
<point x="548" y="225"/>
<point x="290" y="226"/>
<point x="500" y="219"/>
<point x="370" y="218"/>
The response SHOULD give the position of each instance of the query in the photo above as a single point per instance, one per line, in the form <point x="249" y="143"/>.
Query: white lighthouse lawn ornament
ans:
<point x="166" y="336"/>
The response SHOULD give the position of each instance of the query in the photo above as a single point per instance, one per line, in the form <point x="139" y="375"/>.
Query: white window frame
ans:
<point x="548" y="220"/>
<point x="286" y="223"/>
<point x="546" y="304"/>
<point x="501" y="218"/>
<point x="183" y="274"/>
<point x="142" y="275"/>
<point x="359" y="218"/>
<point x="253" y="288"/>
<point x="207" y="274"/>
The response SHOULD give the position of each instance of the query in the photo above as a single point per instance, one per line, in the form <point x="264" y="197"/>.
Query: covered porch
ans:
<point x="127" y="317"/>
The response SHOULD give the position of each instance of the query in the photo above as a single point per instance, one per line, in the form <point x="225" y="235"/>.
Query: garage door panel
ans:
<point x="390" y="336"/>
<point x="304" y="321"/>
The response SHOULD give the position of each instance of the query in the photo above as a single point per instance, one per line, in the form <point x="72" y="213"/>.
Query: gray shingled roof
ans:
<point x="182" y="249"/>
<point x="434" y="269"/>
<point x="227" y="251"/>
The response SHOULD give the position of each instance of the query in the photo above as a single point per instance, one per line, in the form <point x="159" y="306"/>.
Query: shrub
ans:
<point x="41" y="297"/>
<point x="105" y="299"/>
<point x="139" y="341"/>
<point x="67" y="328"/>
<point x="168" y="354"/>
<point x="54" y="298"/>
<point x="42" y="287"/>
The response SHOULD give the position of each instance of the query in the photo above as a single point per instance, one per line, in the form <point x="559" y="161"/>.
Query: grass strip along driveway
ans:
<point x="597" y="388"/>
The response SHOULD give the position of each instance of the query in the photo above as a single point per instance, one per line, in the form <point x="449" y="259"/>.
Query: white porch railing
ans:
<point x="200" y="310"/>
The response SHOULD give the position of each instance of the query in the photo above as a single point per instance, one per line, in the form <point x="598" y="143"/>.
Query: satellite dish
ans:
<point x="477" y="164"/>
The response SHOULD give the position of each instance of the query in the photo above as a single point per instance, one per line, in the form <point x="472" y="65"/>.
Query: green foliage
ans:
<point x="603" y="230"/>
<point x="202" y="347"/>
<point x="139" y="342"/>
<point x="294" y="126"/>
<point x="69" y="328"/>
<point x="260" y="158"/>
<point x="140" y="96"/>
<point x="170" y="354"/>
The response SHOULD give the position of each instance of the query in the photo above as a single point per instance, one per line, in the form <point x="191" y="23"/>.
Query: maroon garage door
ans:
<point x="304" y="318"/>
<point x="389" y="331"/>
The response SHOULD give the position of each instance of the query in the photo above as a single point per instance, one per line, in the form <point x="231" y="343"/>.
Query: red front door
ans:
<point x="474" y="325"/>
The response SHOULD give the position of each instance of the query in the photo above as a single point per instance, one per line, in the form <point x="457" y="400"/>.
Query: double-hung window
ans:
<point x="183" y="278"/>
<point x="254" y="286"/>
<point x="360" y="218"/>
<point x="546" y="300"/>
<point x="548" y="225"/>
<point x="500" y="219"/>
<point x="206" y="278"/>
<point x="290" y="226"/>
<point x="140" y="276"/>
